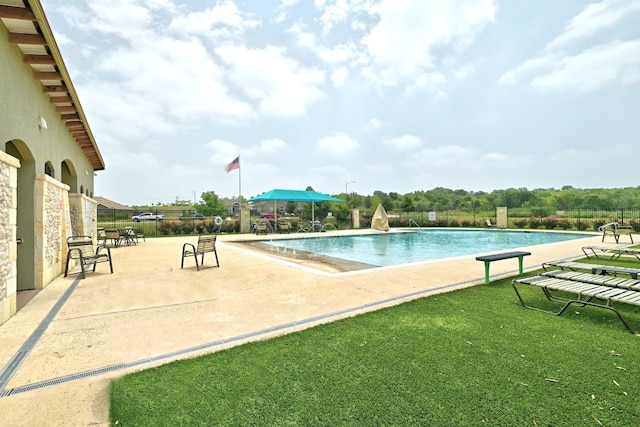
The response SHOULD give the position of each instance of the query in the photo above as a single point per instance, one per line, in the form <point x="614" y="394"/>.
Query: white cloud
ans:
<point x="223" y="150"/>
<point x="572" y="61"/>
<point x="178" y="76"/>
<point x="401" y="46"/>
<point x="404" y="142"/>
<point x="339" y="76"/>
<point x="463" y="72"/>
<point x="224" y="20"/>
<point x="594" y="18"/>
<point x="271" y="145"/>
<point x="337" y="145"/>
<point x="373" y="124"/>
<point x="281" y="85"/>
<point x="616" y="63"/>
<point x="125" y="18"/>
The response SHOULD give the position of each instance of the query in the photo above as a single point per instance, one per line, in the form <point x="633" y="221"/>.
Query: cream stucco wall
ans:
<point x="23" y="103"/>
<point x="39" y="209"/>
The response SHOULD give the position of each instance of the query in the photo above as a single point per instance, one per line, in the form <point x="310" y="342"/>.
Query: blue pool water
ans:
<point x="403" y="248"/>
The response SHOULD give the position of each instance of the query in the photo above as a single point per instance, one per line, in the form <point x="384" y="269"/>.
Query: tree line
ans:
<point x="441" y="199"/>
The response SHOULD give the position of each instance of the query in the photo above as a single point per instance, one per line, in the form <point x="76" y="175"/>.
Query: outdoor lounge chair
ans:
<point x="594" y="268"/>
<point x="82" y="250"/>
<point x="205" y="244"/>
<point x="581" y="293"/>
<point x="612" y="253"/>
<point x="489" y="224"/>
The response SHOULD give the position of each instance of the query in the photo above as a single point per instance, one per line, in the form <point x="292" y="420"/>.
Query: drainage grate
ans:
<point x="7" y="372"/>
<point x="60" y="380"/>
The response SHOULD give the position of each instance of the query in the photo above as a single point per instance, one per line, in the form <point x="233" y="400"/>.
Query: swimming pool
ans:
<point x="407" y="247"/>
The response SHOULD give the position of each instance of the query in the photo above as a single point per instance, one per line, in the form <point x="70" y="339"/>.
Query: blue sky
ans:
<point x="390" y="95"/>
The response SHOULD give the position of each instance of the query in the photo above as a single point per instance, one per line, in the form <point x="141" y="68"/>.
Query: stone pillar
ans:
<point x="8" y="246"/>
<point x="501" y="217"/>
<point x="355" y="218"/>
<point x="52" y="228"/>
<point x="83" y="215"/>
<point x="245" y="220"/>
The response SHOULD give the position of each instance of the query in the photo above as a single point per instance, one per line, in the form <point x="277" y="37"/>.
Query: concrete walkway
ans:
<point x="61" y="350"/>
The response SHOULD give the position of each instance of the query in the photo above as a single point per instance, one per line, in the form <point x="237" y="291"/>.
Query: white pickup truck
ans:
<point x="147" y="216"/>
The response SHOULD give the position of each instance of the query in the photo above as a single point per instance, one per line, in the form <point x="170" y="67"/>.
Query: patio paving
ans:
<point x="56" y="366"/>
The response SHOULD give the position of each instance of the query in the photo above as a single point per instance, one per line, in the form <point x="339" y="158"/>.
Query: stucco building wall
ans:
<point x="46" y="182"/>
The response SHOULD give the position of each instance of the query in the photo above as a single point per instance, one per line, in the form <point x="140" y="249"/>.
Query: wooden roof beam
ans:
<point x="55" y="89"/>
<point x="61" y="99"/>
<point x="47" y="75"/>
<point x="66" y="109"/>
<point x="22" y="13"/>
<point x="19" y="38"/>
<point x="38" y="59"/>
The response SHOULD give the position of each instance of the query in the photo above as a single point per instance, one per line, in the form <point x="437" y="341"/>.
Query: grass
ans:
<point x="469" y="357"/>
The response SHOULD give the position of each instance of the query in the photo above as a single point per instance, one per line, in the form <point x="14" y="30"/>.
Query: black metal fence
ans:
<point x="181" y="222"/>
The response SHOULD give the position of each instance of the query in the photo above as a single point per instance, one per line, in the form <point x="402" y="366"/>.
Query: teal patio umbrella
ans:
<point x="302" y="196"/>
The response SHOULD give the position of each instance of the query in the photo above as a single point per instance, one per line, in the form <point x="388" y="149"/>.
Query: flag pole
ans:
<point x="239" y="183"/>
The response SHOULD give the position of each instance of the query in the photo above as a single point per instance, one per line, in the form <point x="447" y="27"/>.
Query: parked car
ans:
<point x="268" y="215"/>
<point x="147" y="216"/>
<point x="192" y="216"/>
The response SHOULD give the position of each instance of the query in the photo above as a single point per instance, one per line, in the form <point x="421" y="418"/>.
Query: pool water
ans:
<point x="407" y="247"/>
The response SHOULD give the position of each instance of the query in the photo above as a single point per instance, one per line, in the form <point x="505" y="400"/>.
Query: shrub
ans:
<point x="454" y="223"/>
<point x="465" y="223"/>
<point x="564" y="223"/>
<point x="534" y="222"/>
<point x="550" y="222"/>
<point x="583" y="225"/>
<point x="176" y="227"/>
<point x="521" y="222"/>
<point x="164" y="227"/>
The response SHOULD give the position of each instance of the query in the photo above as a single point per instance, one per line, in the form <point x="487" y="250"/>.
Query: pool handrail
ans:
<point x="411" y="220"/>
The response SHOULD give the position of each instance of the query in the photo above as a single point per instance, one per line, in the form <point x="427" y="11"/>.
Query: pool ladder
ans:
<point x="412" y="221"/>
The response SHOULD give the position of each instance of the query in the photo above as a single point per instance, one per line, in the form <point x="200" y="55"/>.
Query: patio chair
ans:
<point x="113" y="235"/>
<point x="138" y="234"/>
<point x="82" y="250"/>
<point x="616" y="230"/>
<point x="102" y="237"/>
<point x="284" y="226"/>
<point x="489" y="224"/>
<point x="205" y="244"/>
<point x="263" y="226"/>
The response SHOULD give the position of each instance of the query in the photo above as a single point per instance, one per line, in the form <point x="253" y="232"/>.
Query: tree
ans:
<point x="407" y="204"/>
<point x="212" y="205"/>
<point x="292" y="207"/>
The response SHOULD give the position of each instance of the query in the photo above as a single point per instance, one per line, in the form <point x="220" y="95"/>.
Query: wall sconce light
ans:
<point x="42" y="123"/>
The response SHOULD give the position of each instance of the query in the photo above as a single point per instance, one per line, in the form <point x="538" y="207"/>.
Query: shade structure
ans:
<point x="302" y="196"/>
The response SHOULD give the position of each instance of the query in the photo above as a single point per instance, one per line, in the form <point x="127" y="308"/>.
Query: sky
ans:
<point x="354" y="95"/>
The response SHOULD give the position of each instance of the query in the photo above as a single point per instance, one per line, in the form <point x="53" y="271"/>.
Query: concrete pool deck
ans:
<point x="64" y="346"/>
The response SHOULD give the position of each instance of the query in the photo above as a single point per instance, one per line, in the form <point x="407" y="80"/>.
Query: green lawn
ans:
<point x="470" y="357"/>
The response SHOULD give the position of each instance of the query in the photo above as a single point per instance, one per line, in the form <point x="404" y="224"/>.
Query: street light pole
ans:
<point x="346" y="187"/>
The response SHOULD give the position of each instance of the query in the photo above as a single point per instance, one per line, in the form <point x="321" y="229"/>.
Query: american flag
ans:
<point x="235" y="164"/>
